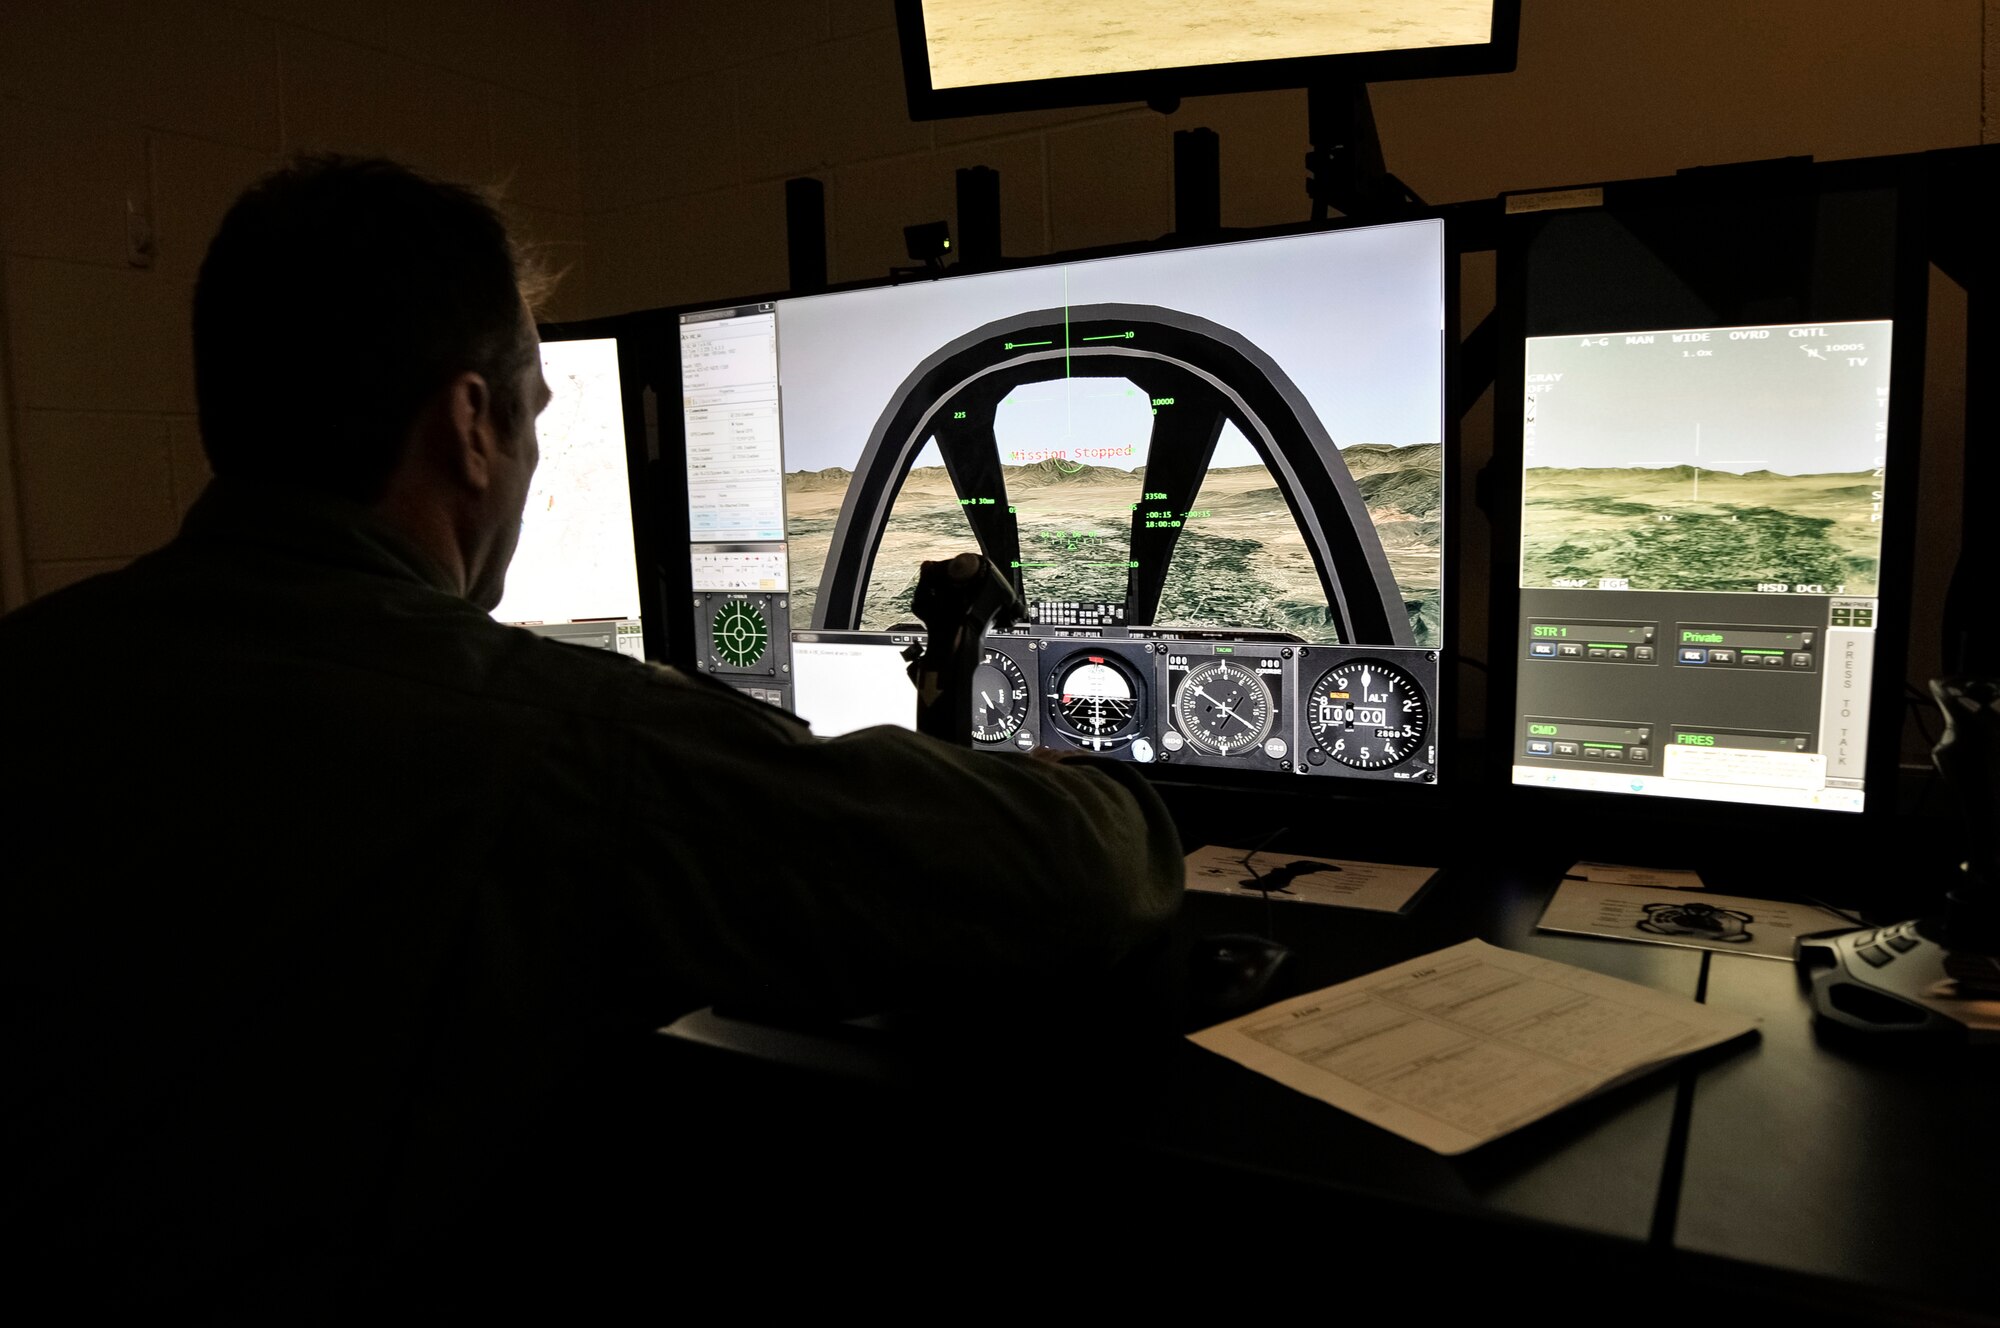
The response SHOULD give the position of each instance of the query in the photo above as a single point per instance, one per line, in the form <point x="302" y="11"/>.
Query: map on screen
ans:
<point x="576" y="559"/>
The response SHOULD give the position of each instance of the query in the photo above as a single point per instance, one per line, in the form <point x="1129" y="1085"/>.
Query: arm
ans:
<point x="840" y="875"/>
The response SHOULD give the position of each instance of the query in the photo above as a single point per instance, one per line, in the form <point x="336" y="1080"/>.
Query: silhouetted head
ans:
<point x="361" y="331"/>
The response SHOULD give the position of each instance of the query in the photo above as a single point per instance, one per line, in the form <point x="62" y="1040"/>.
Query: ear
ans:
<point x="472" y="443"/>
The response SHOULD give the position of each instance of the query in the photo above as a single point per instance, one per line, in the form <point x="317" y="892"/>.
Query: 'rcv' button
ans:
<point x="1693" y="655"/>
<point x="1539" y="747"/>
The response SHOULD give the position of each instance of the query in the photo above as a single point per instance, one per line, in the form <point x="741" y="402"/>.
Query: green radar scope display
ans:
<point x="740" y="633"/>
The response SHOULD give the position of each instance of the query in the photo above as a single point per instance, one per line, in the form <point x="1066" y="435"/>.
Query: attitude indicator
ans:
<point x="1096" y="699"/>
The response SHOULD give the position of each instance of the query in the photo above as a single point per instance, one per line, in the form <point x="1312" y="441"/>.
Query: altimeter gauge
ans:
<point x="1367" y="713"/>
<point x="999" y="697"/>
<point x="1223" y="708"/>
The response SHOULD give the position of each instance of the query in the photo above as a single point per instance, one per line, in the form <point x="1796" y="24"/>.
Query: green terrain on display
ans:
<point x="1679" y="528"/>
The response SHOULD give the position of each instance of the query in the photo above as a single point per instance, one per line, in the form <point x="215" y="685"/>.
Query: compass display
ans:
<point x="1223" y="708"/>
<point x="1367" y="713"/>
<point x="1095" y="697"/>
<point x="999" y="697"/>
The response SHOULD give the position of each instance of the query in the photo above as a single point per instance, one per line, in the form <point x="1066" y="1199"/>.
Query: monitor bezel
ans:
<point x="1456" y="765"/>
<point x="1160" y="86"/>
<point x="1746" y="836"/>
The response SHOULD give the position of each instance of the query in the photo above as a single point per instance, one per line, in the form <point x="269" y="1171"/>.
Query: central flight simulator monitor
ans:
<point x="1214" y="476"/>
<point x="1709" y="540"/>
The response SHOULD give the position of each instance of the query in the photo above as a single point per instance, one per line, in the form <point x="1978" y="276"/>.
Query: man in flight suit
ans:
<point x="324" y="884"/>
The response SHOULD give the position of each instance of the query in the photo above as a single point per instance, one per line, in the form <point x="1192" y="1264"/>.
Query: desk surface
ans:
<point x="1867" y="1166"/>
<point x="1815" y="1166"/>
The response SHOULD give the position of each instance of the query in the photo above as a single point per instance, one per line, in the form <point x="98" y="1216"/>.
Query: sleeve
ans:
<point x="846" y="875"/>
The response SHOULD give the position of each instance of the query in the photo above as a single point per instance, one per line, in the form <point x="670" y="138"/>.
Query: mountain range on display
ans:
<point x="1241" y="561"/>
<point x="1684" y="528"/>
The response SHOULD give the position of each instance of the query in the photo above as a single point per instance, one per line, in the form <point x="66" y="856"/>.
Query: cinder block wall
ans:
<point x="693" y="114"/>
<point x="157" y="114"/>
<point x="647" y="142"/>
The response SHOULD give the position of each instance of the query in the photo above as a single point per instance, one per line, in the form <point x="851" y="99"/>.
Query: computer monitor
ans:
<point x="1714" y="407"/>
<point x="969" y="57"/>
<point x="1214" y="474"/>
<point x="575" y="575"/>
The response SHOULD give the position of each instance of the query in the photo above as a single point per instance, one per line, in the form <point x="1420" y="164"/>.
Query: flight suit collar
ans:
<point x="313" y="527"/>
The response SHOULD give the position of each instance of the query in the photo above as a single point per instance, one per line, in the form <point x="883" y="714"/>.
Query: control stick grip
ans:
<point x="958" y="599"/>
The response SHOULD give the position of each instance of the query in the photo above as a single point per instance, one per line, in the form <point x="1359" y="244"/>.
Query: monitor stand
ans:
<point x="1345" y="170"/>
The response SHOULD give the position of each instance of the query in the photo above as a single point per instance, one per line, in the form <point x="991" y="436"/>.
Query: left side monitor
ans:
<point x="575" y="574"/>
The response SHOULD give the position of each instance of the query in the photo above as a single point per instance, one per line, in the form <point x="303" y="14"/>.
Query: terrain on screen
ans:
<point x="1002" y="41"/>
<point x="1240" y="562"/>
<point x="1679" y="528"/>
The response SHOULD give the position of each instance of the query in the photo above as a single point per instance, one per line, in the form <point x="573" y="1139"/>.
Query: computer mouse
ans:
<point x="1229" y="974"/>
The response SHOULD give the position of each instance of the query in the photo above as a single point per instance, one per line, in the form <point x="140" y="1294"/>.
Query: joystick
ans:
<point x="1935" y="976"/>
<point x="958" y="599"/>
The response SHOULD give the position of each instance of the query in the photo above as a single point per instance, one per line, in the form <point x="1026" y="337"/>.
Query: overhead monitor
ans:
<point x="575" y="575"/>
<point x="1712" y="529"/>
<point x="1213" y="474"/>
<point x="964" y="57"/>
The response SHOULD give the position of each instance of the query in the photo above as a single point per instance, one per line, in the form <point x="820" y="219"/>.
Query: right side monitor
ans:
<point x="1710" y="471"/>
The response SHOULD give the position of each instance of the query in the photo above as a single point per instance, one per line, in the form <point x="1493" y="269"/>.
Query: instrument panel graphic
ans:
<point x="1352" y="712"/>
<point x="1368" y="713"/>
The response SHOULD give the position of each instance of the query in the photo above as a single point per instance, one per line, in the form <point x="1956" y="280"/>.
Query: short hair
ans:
<point x="338" y="295"/>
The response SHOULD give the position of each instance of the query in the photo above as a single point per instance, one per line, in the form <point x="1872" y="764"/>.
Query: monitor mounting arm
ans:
<point x="1345" y="170"/>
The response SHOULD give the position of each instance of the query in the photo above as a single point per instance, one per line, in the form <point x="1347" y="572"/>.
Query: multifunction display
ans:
<point x="1700" y="550"/>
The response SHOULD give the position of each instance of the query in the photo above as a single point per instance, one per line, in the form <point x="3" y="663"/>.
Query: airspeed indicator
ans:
<point x="999" y="697"/>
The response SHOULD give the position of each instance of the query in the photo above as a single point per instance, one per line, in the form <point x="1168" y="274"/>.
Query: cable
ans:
<point x="1257" y="877"/>
<point x="1920" y="704"/>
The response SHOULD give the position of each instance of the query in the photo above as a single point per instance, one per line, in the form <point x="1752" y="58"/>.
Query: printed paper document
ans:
<point x="1464" y="1045"/>
<point x="1727" y="924"/>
